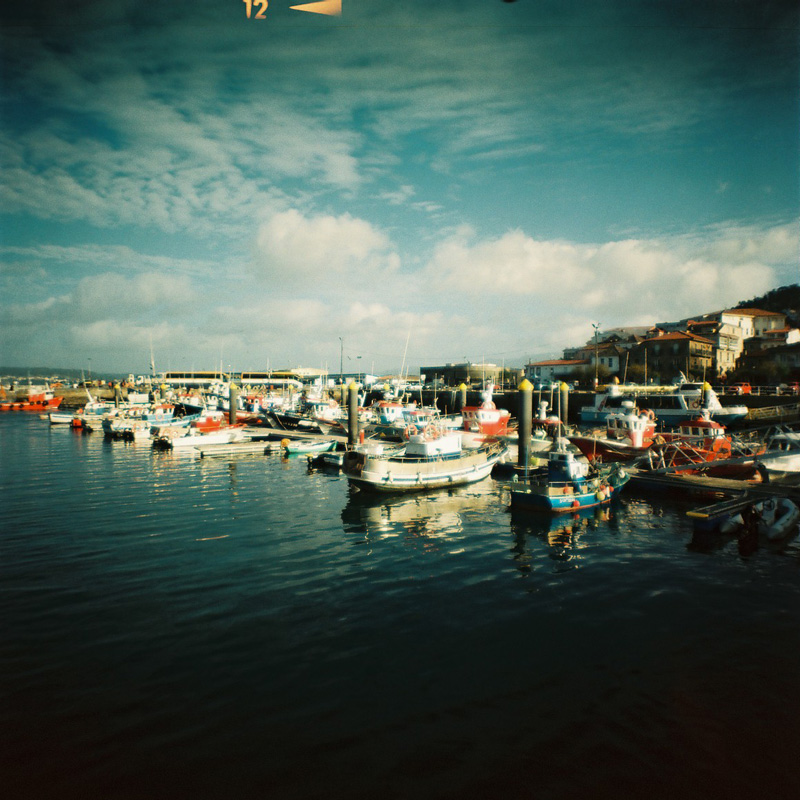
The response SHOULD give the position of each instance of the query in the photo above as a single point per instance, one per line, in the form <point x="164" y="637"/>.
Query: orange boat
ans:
<point x="699" y="443"/>
<point x="40" y="401"/>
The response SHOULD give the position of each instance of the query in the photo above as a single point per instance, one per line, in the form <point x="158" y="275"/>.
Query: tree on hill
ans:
<point x="785" y="299"/>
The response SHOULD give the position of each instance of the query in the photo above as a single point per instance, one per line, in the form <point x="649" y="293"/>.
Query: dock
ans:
<point x="737" y="495"/>
<point x="704" y="484"/>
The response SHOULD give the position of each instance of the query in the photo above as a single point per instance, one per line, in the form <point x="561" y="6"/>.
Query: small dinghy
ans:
<point x="296" y="448"/>
<point x="778" y="517"/>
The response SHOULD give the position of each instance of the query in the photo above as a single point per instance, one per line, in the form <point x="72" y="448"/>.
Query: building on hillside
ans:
<point x="733" y="327"/>
<point x="557" y="369"/>
<point x="609" y="355"/>
<point x="727" y="343"/>
<point x="779" y="337"/>
<point x="467" y="373"/>
<point x="768" y="365"/>
<point x="664" y="357"/>
<point x="621" y="338"/>
<point x="753" y="321"/>
<point x="788" y="357"/>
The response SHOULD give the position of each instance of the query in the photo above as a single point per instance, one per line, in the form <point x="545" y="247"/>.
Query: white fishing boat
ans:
<point x="119" y="423"/>
<point x="60" y="418"/>
<point x="428" y="460"/>
<point x="670" y="405"/>
<point x="782" y="455"/>
<point x="628" y="434"/>
<point x="177" y="438"/>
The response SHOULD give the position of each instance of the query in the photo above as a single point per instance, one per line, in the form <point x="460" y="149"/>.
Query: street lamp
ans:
<point x="596" y="326"/>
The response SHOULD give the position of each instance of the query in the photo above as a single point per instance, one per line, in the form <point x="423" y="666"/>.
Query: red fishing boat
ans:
<point x="698" y="444"/>
<point x="36" y="401"/>
<point x="486" y="418"/>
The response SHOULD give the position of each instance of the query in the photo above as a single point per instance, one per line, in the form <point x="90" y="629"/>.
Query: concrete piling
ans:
<point x="234" y="403"/>
<point x="525" y="418"/>
<point x="352" y="414"/>
<point x="706" y="394"/>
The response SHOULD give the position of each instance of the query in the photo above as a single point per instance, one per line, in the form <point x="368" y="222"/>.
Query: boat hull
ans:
<point x="607" y="449"/>
<point x="409" y="475"/>
<point x="562" y="498"/>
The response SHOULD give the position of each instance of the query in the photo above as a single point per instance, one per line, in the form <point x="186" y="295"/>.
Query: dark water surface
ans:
<point x="177" y="627"/>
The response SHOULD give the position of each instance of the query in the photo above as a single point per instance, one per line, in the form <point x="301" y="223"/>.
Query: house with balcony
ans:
<point x="666" y="355"/>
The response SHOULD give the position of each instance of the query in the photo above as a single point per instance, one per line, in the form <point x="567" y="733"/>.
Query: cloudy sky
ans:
<point x="478" y="179"/>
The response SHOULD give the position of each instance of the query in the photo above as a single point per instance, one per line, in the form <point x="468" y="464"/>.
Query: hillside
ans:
<point x="785" y="299"/>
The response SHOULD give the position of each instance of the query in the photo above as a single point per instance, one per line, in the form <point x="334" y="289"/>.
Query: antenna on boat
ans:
<point x="405" y="351"/>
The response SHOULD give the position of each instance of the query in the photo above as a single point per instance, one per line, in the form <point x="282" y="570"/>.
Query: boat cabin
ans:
<point x="702" y="428"/>
<point x="422" y="446"/>
<point x="562" y="465"/>
<point x="629" y="425"/>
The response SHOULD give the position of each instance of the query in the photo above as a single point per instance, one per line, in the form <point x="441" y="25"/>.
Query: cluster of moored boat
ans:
<point x="403" y="446"/>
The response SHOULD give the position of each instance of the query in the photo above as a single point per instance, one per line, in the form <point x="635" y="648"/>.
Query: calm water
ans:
<point x="177" y="627"/>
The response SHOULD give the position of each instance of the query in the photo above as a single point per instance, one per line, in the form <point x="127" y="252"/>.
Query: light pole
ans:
<point x="596" y="326"/>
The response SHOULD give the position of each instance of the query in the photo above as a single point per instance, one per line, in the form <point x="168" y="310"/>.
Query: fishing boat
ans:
<point x="568" y="482"/>
<point x="35" y="401"/>
<point x="179" y="438"/>
<point x="139" y="430"/>
<point x="671" y="405"/>
<point x="781" y="457"/>
<point x="702" y="445"/>
<point x="486" y="418"/>
<point x="629" y="433"/>
<point x="118" y="423"/>
<point x="91" y="415"/>
<point x="429" y="459"/>
<point x="397" y="421"/>
<point x="60" y="418"/>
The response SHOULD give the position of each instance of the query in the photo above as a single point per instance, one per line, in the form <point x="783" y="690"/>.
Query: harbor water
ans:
<point x="186" y="627"/>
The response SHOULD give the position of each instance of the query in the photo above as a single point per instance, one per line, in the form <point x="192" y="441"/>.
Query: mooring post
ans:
<point x="462" y="397"/>
<point x="352" y="414"/>
<point x="525" y="422"/>
<point x="233" y="397"/>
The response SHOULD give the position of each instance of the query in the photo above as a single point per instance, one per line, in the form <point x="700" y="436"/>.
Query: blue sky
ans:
<point x="480" y="179"/>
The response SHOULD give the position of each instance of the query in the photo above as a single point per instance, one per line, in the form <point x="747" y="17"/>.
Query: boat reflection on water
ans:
<point x="561" y="534"/>
<point x="432" y="519"/>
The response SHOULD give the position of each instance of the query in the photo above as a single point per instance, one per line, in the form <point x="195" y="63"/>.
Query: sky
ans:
<point x="406" y="184"/>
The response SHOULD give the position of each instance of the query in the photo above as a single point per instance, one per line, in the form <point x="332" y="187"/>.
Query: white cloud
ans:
<point x="328" y="249"/>
<point x="624" y="281"/>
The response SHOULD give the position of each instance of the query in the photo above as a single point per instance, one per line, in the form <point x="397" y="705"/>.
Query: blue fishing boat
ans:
<point x="568" y="483"/>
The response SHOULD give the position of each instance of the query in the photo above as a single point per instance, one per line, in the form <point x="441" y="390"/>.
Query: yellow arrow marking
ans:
<point x="333" y="8"/>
